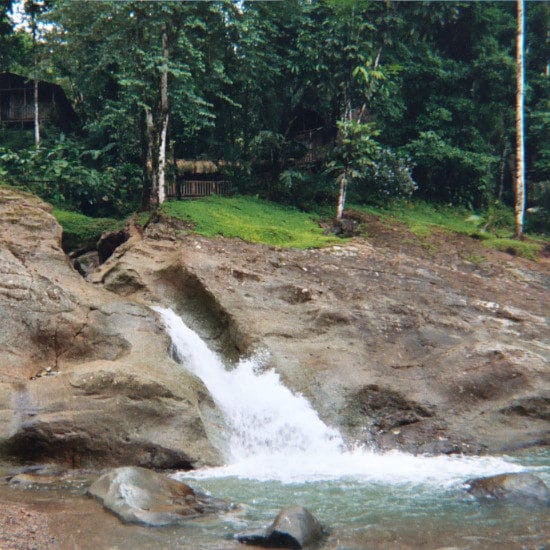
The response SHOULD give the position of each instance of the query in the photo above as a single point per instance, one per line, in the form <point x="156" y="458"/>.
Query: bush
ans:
<point x="537" y="218"/>
<point x="446" y="173"/>
<point x="388" y="178"/>
<point x="63" y="173"/>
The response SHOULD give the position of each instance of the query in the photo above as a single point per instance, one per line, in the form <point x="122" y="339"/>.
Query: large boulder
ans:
<point x="294" y="527"/>
<point x="85" y="376"/>
<point x="518" y="487"/>
<point x="138" y="495"/>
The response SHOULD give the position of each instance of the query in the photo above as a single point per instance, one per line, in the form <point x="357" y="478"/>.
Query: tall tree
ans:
<point x="33" y="8"/>
<point x="520" y="166"/>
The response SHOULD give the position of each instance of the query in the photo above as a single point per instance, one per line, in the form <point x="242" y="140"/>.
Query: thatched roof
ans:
<point x="199" y="166"/>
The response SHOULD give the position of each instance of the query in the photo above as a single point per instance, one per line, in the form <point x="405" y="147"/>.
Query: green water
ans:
<point x="359" y="515"/>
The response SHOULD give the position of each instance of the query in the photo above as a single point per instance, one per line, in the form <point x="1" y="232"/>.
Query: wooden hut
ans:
<point x="197" y="178"/>
<point x="17" y="103"/>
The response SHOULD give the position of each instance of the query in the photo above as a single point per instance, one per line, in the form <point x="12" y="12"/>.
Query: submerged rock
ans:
<point x="294" y="527"/>
<point x="138" y="495"/>
<point x="515" y="487"/>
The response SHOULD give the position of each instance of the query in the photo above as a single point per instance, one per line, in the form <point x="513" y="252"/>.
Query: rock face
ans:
<point x="397" y="344"/>
<point x="294" y="527"/>
<point x="138" y="495"/>
<point x="85" y="376"/>
<point x="518" y="487"/>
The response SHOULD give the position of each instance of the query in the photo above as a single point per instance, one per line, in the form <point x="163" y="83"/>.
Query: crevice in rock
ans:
<point x="199" y="308"/>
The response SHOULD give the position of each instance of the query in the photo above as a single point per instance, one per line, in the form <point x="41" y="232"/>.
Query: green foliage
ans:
<point x="498" y="216"/>
<point x="377" y="172"/>
<point x="247" y="80"/>
<point x="80" y="231"/>
<point x="62" y="172"/>
<point x="451" y="174"/>
<point x="307" y="190"/>
<point x="252" y="220"/>
<point x="538" y="216"/>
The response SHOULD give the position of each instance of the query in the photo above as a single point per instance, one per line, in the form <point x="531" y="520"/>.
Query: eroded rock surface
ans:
<point x="138" y="495"/>
<point x="85" y="376"/>
<point x="396" y="343"/>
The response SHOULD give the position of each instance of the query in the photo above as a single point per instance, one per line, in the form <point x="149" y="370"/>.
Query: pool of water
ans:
<point x="360" y="514"/>
<point x="279" y="453"/>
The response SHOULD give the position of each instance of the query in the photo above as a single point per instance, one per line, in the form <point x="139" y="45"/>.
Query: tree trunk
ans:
<point x="35" y="76"/>
<point x="147" y="133"/>
<point x="520" y="163"/>
<point x="157" y="130"/>
<point x="164" y="115"/>
<point x="342" y="195"/>
<point x="162" y="161"/>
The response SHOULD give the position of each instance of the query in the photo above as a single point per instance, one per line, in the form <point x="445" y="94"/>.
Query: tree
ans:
<point x="354" y="154"/>
<point x="136" y="67"/>
<point x="520" y="166"/>
<point x="33" y="9"/>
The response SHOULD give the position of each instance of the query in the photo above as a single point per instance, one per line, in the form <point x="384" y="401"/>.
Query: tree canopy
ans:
<point x="408" y="96"/>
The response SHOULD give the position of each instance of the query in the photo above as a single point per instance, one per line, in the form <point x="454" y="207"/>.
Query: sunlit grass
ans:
<point x="251" y="219"/>
<point x="80" y="231"/>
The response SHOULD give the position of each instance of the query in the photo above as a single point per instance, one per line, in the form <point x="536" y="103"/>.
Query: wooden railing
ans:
<point x="188" y="189"/>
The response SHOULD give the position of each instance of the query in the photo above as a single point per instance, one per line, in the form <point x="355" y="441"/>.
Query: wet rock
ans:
<point x="518" y="487"/>
<point x="383" y="408"/>
<point x="294" y="527"/>
<point x="31" y="480"/>
<point x="138" y="495"/>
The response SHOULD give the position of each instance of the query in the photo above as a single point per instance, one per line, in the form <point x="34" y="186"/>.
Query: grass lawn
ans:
<point x="251" y="219"/>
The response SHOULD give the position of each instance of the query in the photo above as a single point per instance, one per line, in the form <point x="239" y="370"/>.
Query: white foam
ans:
<point x="277" y="435"/>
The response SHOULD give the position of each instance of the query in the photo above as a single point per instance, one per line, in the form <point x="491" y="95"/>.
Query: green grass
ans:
<point x="251" y="219"/>
<point x="526" y="249"/>
<point x="494" y="228"/>
<point x="422" y="217"/>
<point x="80" y="231"/>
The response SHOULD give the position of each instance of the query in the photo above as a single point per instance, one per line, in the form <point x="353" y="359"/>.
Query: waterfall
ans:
<point x="275" y="434"/>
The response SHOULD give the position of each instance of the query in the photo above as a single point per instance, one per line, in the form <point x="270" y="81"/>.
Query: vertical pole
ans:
<point x="520" y="148"/>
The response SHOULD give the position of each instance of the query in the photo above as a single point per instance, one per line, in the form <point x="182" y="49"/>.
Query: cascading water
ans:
<point x="277" y="435"/>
